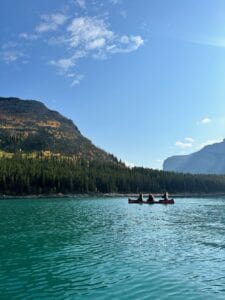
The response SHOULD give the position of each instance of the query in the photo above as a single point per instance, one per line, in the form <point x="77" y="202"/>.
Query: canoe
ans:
<point x="169" y="201"/>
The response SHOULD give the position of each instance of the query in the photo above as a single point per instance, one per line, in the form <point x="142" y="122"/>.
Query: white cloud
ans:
<point x="28" y="36"/>
<point x="183" y="145"/>
<point x="190" y="143"/>
<point x="210" y="142"/>
<point x="126" y="44"/>
<point x="91" y="36"/>
<point x="10" y="52"/>
<point x="57" y="41"/>
<point x="51" y="22"/>
<point x="10" y="56"/>
<point x="79" y="37"/>
<point x="98" y="43"/>
<point x="205" y="121"/>
<point x="90" y="33"/>
<point x="76" y="79"/>
<point x="81" y="3"/>
<point x="85" y="31"/>
<point x="189" y="139"/>
<point x="63" y="64"/>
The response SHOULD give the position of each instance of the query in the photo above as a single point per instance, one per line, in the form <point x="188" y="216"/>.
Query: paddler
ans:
<point x="140" y="198"/>
<point x="165" y="196"/>
<point x="150" y="198"/>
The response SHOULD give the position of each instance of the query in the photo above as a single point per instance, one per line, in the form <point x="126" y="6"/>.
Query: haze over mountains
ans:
<point x="28" y="125"/>
<point x="209" y="160"/>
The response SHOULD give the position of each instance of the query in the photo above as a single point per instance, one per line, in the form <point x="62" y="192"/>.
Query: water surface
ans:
<point x="105" y="248"/>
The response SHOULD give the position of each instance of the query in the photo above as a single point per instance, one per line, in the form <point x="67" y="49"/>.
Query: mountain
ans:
<point x="209" y="160"/>
<point x="28" y="126"/>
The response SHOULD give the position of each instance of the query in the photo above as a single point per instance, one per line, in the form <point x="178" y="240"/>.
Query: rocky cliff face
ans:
<point x="28" y="125"/>
<point x="209" y="160"/>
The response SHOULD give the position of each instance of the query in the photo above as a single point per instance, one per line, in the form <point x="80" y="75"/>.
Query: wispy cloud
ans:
<point x="189" y="139"/>
<point x="57" y="40"/>
<point x="210" y="142"/>
<point x="91" y="33"/>
<point x="78" y="36"/>
<point x="10" y="56"/>
<point x="63" y="64"/>
<point x="76" y="78"/>
<point x="10" y="52"/>
<point x="81" y="3"/>
<point x="204" y="121"/>
<point x="189" y="143"/>
<point x="183" y="145"/>
<point x="51" y="22"/>
<point x="126" y="44"/>
<point x="28" y="36"/>
<point x="92" y="37"/>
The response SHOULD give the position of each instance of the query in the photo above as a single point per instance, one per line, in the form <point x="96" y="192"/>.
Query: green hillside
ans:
<point x="29" y="126"/>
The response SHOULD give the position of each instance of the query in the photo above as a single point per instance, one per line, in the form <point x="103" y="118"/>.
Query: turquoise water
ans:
<point x="103" y="248"/>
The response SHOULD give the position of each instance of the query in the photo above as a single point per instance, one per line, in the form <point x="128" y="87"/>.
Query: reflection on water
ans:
<point x="104" y="248"/>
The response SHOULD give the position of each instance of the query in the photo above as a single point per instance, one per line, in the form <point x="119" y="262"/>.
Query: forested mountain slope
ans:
<point x="28" y="125"/>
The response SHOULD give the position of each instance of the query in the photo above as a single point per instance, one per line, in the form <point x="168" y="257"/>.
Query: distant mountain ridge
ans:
<point x="28" y="125"/>
<point x="209" y="160"/>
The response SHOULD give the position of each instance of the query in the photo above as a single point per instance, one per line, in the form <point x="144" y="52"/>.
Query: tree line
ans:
<point x="26" y="175"/>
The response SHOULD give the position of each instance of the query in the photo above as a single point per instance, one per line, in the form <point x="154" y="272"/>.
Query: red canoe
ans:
<point x="169" y="201"/>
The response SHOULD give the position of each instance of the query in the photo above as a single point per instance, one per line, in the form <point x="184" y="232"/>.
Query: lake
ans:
<point x="105" y="248"/>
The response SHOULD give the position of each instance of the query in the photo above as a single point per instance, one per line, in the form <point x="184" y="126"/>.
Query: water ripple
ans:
<point x="97" y="248"/>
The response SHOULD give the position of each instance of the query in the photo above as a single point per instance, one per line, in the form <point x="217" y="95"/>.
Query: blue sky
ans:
<point x="142" y="79"/>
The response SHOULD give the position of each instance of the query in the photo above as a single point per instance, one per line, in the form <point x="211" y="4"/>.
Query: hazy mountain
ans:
<point x="209" y="160"/>
<point x="28" y="125"/>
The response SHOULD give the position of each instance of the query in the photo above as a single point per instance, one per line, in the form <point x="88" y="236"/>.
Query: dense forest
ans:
<point x="26" y="175"/>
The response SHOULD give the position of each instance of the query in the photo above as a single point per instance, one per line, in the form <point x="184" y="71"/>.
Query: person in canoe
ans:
<point x="150" y="198"/>
<point x="140" y="198"/>
<point x="165" y="196"/>
<point x="165" y="199"/>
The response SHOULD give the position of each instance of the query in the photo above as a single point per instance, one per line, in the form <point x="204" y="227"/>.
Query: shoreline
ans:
<point x="110" y="195"/>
